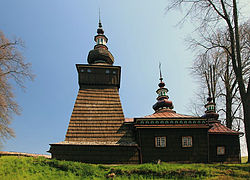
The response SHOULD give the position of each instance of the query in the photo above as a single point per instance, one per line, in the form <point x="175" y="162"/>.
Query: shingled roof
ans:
<point x="97" y="119"/>
<point x="168" y="113"/>
<point x="219" y="128"/>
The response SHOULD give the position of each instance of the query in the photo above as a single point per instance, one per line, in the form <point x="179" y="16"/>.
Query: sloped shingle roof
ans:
<point x="218" y="128"/>
<point x="167" y="113"/>
<point x="97" y="118"/>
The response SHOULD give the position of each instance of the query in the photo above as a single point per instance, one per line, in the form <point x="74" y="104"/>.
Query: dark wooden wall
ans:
<point x="98" y="75"/>
<point x="232" y="148"/>
<point x="173" y="150"/>
<point x="96" y="154"/>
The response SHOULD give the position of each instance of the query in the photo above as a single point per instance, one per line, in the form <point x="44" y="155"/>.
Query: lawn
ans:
<point x="244" y="159"/>
<point x="12" y="167"/>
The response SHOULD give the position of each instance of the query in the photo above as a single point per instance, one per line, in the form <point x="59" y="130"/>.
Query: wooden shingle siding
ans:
<point x="79" y="118"/>
<point x="98" y="117"/>
<point x="97" y="131"/>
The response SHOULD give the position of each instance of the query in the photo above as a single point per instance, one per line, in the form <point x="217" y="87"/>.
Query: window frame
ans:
<point x="107" y="71"/>
<point x="220" y="154"/>
<point x="89" y="70"/>
<point x="160" y="145"/>
<point x="187" y="145"/>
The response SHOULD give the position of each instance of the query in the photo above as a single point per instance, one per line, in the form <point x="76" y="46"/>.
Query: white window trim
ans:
<point x="161" y="144"/>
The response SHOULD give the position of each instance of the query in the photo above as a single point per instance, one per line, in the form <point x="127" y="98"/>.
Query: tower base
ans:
<point x="96" y="154"/>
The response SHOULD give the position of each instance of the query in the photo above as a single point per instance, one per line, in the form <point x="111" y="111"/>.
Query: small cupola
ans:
<point x="100" y="38"/>
<point x="162" y="91"/>
<point x="100" y="54"/>
<point x="210" y="112"/>
<point x="210" y="106"/>
<point x="162" y="99"/>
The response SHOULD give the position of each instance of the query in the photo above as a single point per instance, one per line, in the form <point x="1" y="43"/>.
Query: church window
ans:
<point x="160" y="141"/>
<point x="107" y="71"/>
<point x="89" y="70"/>
<point x="187" y="141"/>
<point x="220" y="150"/>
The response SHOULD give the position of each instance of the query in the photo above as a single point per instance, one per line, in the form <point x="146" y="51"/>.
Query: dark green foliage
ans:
<point x="41" y="168"/>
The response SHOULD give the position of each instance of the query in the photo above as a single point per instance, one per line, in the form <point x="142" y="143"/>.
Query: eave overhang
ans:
<point x="205" y="126"/>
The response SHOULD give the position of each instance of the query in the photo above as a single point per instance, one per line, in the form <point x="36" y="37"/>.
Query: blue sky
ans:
<point x="59" y="34"/>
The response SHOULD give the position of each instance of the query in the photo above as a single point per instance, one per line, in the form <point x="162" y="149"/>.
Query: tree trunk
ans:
<point x="229" y="99"/>
<point x="245" y="94"/>
<point x="229" y="118"/>
<point x="246" y="107"/>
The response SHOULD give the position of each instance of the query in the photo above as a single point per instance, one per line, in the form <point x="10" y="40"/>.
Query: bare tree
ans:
<point x="211" y="15"/>
<point x="12" y="68"/>
<point x="214" y="69"/>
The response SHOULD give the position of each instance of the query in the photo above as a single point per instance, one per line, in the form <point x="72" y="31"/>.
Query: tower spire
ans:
<point x="100" y="23"/>
<point x="160" y="72"/>
<point x="162" y="99"/>
<point x="161" y="84"/>
<point x="210" y="112"/>
<point x="100" y="31"/>
<point x="100" y="53"/>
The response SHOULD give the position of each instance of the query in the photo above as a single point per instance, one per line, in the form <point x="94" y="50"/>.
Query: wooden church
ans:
<point x="98" y="132"/>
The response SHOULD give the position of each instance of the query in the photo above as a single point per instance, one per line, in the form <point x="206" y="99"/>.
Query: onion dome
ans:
<point x="100" y="53"/>
<point x="210" y="112"/>
<point x="162" y="99"/>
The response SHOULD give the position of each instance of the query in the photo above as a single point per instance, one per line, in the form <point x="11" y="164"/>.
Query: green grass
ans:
<point x="18" y="168"/>
<point x="244" y="159"/>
